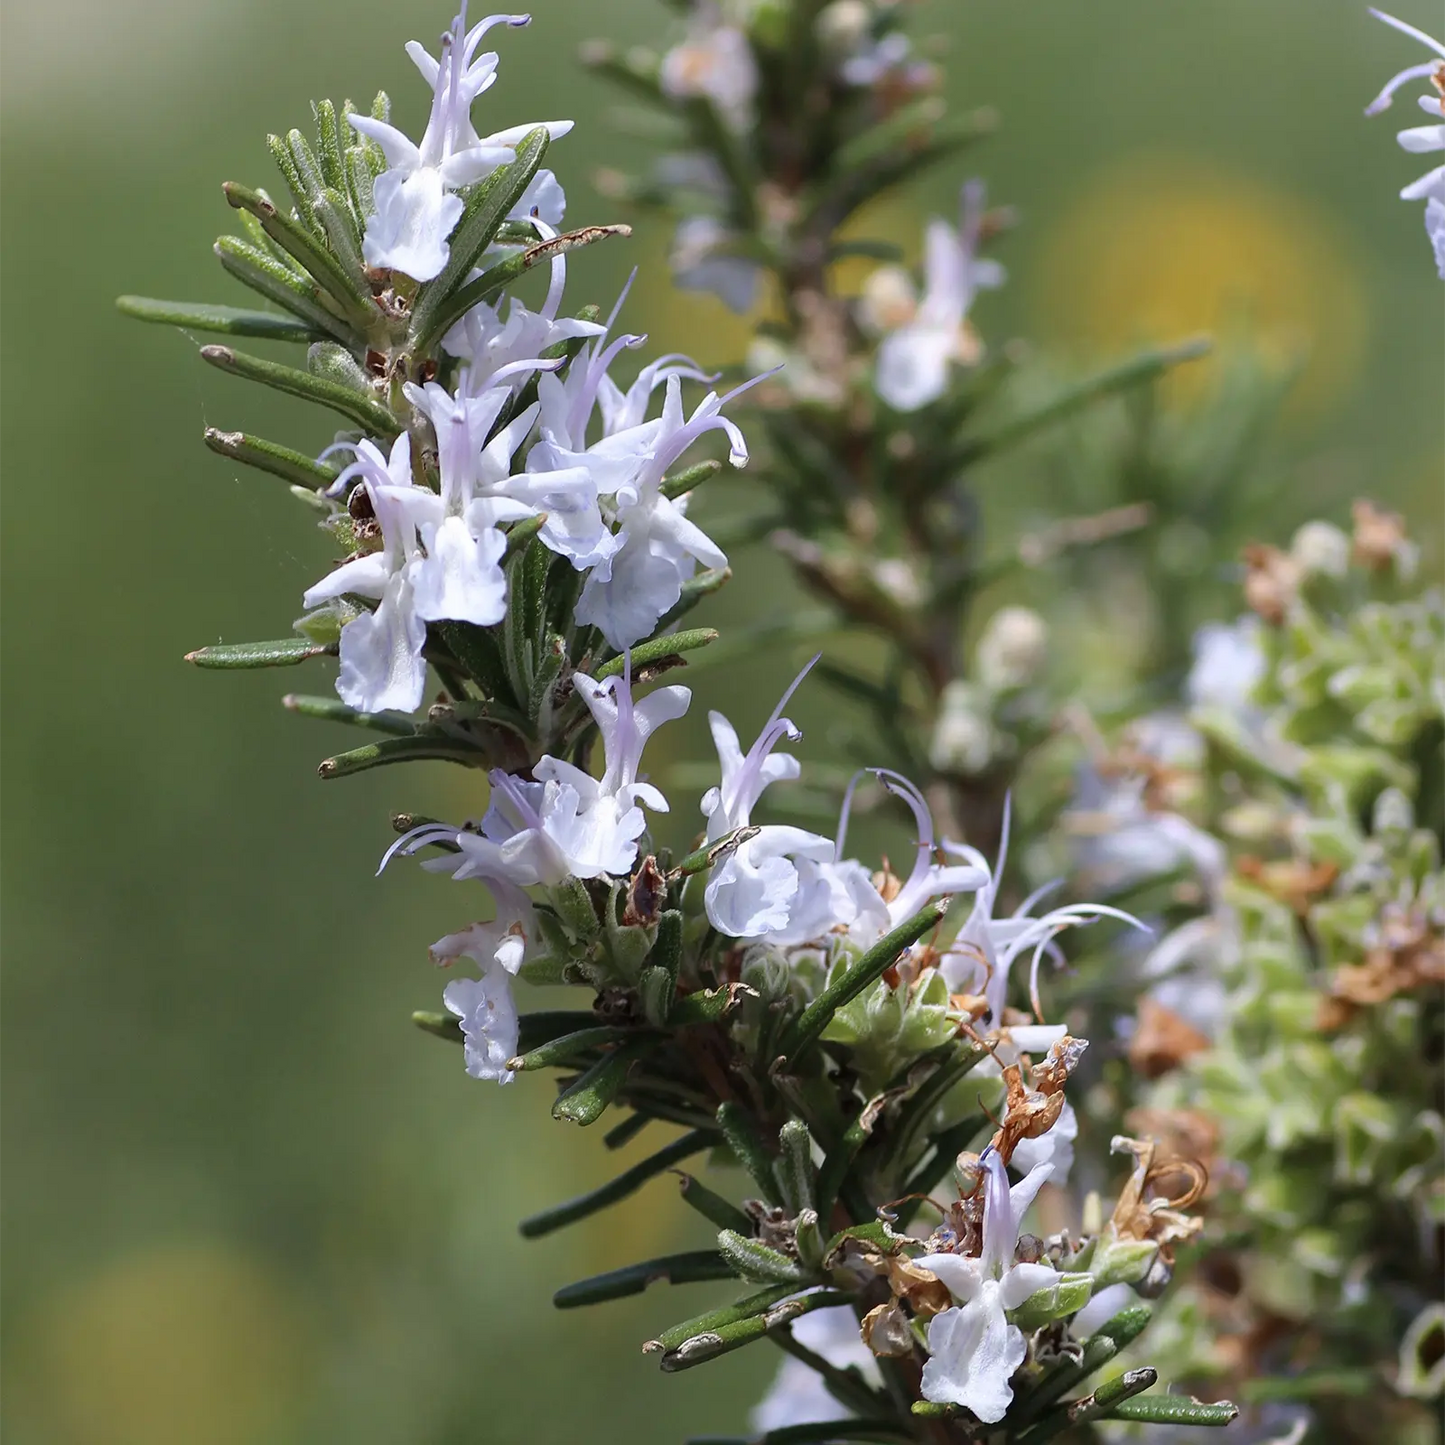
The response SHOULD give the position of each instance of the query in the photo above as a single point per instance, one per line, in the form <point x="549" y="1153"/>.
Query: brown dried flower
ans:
<point x="1033" y="1109"/>
<point x="1379" y="539"/>
<point x="1141" y="1213"/>
<point x="1410" y="954"/>
<point x="1291" y="880"/>
<point x="1162" y="1040"/>
<point x="1271" y="581"/>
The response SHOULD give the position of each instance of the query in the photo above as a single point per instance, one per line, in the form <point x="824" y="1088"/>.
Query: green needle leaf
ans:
<point x="836" y="1165"/>
<point x="690" y="1268"/>
<point x="444" y="1026"/>
<point x="707" y="1006"/>
<point x="329" y="150"/>
<point x="585" y="1099"/>
<point x="286" y="652"/>
<point x="421" y="747"/>
<point x="1175" y="1410"/>
<point x="1126" y="1326"/>
<point x="659" y="648"/>
<point x="712" y="1207"/>
<point x="290" y="466"/>
<point x="370" y="415"/>
<point x="277" y="282"/>
<point x="722" y="1339"/>
<point x="743" y="1309"/>
<point x="626" y="1131"/>
<point x="680" y="483"/>
<point x="711" y="853"/>
<point x="865" y="971"/>
<point x="226" y="320"/>
<point x="1134" y="372"/>
<point x="742" y="1138"/>
<point x="487" y="205"/>
<point x="301" y="192"/>
<point x="659" y="980"/>
<point x="794" y="1166"/>
<point x="1091" y="1407"/>
<point x="570" y="1048"/>
<point x="330" y="709"/>
<point x="755" y="1261"/>
<point x="625" y="1184"/>
<point x="491" y="281"/>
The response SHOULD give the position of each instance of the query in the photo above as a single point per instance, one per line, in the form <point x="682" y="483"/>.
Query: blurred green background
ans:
<point x="245" y="1201"/>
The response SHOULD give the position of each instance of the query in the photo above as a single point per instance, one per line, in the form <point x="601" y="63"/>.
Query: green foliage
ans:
<point x="1325" y="1075"/>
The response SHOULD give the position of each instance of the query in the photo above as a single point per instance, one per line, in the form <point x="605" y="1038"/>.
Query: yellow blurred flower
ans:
<point x="1162" y="247"/>
<point x="172" y="1345"/>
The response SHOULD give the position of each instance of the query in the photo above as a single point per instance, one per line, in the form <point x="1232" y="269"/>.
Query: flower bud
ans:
<point x="898" y="580"/>
<point x="1066" y="1296"/>
<point x="963" y="738"/>
<point x="888" y="301"/>
<point x="1271" y="582"/>
<point x="1380" y="542"/>
<point x="1320" y="549"/>
<point x="1123" y="1261"/>
<point x="842" y="27"/>
<point x="1012" y="650"/>
<point x="767" y="971"/>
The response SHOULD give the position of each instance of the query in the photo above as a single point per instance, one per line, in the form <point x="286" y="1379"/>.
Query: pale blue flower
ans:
<point x="1424" y="138"/>
<point x="973" y="1349"/>
<point x="914" y="358"/>
<point x="415" y="197"/>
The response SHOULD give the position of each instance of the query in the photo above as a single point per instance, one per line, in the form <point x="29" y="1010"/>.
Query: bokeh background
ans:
<point x="244" y="1200"/>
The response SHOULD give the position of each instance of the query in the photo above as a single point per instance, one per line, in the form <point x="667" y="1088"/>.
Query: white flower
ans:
<point x="843" y="26"/>
<point x="780" y="884"/>
<point x="701" y="261"/>
<point x="1430" y="188"/>
<point x="980" y="957"/>
<point x="715" y="62"/>
<point x="1228" y="665"/>
<point x="484" y="1005"/>
<point x="973" y="1349"/>
<point x="1435" y="230"/>
<point x="563" y="822"/>
<point x="964" y="738"/>
<point x="876" y="59"/>
<point x="626" y="594"/>
<point x="1101" y="1308"/>
<point x="460" y="578"/>
<point x="746" y="777"/>
<point x="1012" y="651"/>
<point x="798" y="1395"/>
<point x="1320" y="549"/>
<point x="416" y="207"/>
<point x="499" y="351"/>
<point x="565" y="477"/>
<point x="913" y="361"/>
<point x="1054" y="1147"/>
<point x="602" y="836"/>
<point x="381" y="661"/>
<point x="928" y="878"/>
